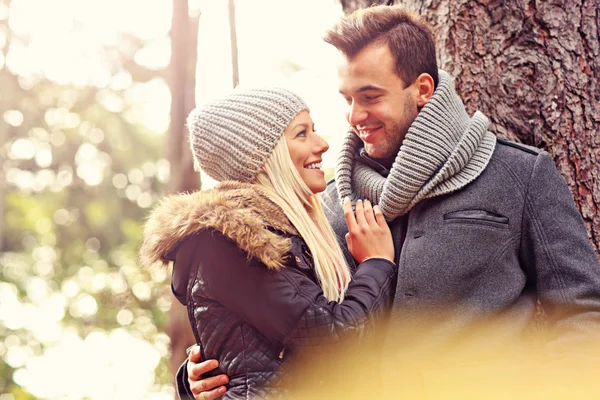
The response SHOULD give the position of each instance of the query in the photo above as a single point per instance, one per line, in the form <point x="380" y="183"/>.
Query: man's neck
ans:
<point x="382" y="166"/>
<point x="386" y="162"/>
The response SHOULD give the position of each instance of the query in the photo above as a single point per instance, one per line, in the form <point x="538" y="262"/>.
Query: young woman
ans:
<point x="255" y="261"/>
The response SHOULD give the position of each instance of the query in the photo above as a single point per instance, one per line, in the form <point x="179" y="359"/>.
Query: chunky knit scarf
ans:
<point x="443" y="151"/>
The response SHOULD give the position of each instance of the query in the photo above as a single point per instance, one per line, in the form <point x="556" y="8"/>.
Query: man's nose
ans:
<point x="356" y="114"/>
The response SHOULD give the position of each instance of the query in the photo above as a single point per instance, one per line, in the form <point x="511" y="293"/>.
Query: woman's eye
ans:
<point x="301" y="134"/>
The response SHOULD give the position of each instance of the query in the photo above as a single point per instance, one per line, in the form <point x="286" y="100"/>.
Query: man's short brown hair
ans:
<point x="408" y="37"/>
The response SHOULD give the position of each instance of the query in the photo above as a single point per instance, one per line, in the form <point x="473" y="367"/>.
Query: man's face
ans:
<point x="380" y="109"/>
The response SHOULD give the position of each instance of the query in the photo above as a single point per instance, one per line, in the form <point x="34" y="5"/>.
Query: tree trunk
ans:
<point x="183" y="178"/>
<point x="532" y="67"/>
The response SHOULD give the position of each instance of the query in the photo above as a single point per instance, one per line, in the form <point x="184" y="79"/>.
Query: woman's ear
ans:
<point x="425" y="87"/>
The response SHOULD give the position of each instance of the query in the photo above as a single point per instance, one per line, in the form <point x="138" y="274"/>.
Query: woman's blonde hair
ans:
<point x="282" y="183"/>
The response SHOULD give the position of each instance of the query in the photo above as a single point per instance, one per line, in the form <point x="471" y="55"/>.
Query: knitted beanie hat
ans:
<point x="232" y="137"/>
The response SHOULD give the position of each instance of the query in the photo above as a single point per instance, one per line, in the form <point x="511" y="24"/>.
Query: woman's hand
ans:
<point x="368" y="233"/>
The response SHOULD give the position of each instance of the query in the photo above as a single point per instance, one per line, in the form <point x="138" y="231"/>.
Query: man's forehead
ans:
<point x="361" y="78"/>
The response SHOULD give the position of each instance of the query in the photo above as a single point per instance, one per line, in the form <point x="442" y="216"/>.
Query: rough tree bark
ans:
<point x="533" y="68"/>
<point x="183" y="178"/>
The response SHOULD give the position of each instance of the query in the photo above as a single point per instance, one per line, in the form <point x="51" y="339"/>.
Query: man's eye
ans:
<point x="371" y="97"/>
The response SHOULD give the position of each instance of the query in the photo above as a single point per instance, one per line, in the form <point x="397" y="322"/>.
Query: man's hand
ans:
<point x="204" y="389"/>
<point x="368" y="234"/>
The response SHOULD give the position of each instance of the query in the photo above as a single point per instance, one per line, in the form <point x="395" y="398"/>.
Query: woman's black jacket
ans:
<point x="245" y="312"/>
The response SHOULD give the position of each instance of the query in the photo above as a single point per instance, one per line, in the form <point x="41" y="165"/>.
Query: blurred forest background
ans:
<point x="82" y="161"/>
<point x="93" y="97"/>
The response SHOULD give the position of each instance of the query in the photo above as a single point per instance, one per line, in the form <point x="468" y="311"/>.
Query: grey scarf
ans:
<point x="443" y="151"/>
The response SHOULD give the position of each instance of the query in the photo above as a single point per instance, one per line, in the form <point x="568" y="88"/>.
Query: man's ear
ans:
<point x="425" y="87"/>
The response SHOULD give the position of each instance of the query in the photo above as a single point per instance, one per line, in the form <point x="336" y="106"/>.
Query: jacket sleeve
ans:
<point x="286" y="305"/>
<point x="556" y="249"/>
<point x="181" y="383"/>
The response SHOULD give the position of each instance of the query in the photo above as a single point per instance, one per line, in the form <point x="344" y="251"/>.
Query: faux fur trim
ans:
<point x="240" y="211"/>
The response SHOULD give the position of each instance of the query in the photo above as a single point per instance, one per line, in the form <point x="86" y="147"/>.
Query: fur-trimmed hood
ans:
<point x="240" y="211"/>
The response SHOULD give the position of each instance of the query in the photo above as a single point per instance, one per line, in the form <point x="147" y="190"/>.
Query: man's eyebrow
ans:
<point x="365" y="88"/>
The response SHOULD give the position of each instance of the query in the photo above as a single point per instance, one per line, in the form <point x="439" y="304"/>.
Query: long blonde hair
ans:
<point x="282" y="183"/>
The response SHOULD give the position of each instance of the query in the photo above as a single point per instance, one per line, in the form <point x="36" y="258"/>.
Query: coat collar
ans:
<point x="240" y="211"/>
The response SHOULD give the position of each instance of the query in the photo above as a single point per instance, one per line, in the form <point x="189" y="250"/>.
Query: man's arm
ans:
<point x="556" y="249"/>
<point x="189" y="382"/>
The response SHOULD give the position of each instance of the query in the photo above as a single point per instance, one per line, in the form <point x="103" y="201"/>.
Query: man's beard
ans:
<point x="394" y="136"/>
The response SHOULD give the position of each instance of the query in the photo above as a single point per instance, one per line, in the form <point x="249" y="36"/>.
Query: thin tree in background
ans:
<point x="234" y="49"/>
<point x="183" y="178"/>
<point x="2" y="192"/>
<point x="533" y="69"/>
<point x="3" y="137"/>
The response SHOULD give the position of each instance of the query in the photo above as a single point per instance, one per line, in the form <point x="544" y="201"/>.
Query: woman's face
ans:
<point x="306" y="149"/>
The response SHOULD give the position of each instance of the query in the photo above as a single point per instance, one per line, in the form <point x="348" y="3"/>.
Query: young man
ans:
<point x="484" y="228"/>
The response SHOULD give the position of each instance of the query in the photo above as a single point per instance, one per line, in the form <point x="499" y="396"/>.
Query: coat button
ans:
<point x="298" y="259"/>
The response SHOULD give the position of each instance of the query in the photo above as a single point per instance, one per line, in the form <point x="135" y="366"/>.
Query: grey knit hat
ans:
<point x="232" y="137"/>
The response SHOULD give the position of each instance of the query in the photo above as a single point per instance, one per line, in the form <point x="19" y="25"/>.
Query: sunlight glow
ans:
<point x="155" y="55"/>
<point x="124" y="317"/>
<point x="66" y="33"/>
<point x="145" y="200"/>
<point x="147" y="99"/>
<point x="22" y="149"/>
<point x="92" y="164"/>
<point x="58" y="371"/>
<point x="70" y="288"/>
<point x="119" y="181"/>
<point x="13" y="118"/>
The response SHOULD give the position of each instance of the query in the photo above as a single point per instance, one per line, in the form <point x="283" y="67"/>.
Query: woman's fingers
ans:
<point x="379" y="217"/>
<point x="363" y="217"/>
<point x="368" y="233"/>
<point x="360" y="215"/>
<point x="349" y="215"/>
<point x="369" y="216"/>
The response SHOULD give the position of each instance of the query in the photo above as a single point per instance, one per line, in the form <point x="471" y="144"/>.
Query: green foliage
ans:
<point x="78" y="174"/>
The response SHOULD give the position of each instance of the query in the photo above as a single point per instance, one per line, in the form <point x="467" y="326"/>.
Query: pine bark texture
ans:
<point x="533" y="67"/>
<point x="183" y="178"/>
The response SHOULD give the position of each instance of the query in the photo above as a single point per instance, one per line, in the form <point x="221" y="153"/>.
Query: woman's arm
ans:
<point x="286" y="305"/>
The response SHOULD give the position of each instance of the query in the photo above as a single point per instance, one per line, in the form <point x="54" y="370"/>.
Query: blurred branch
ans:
<point x="234" y="49"/>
